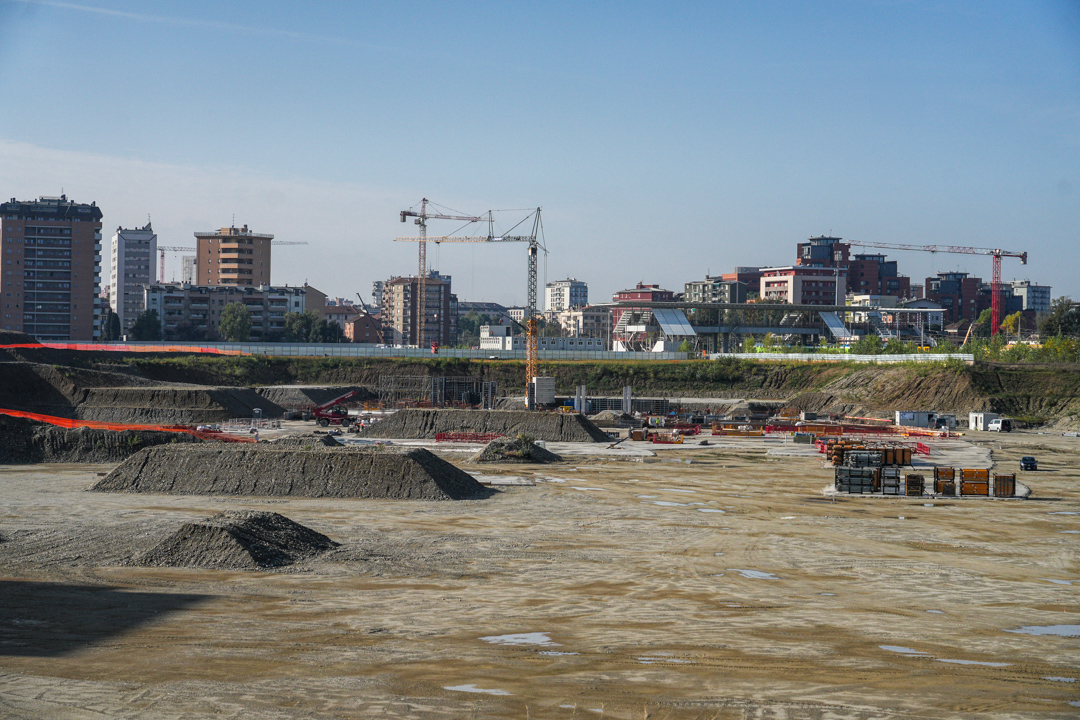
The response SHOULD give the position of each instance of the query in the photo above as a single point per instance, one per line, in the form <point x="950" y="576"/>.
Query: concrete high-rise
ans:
<point x="133" y="252"/>
<point x="565" y="294"/>
<point x="50" y="274"/>
<point x="232" y="256"/>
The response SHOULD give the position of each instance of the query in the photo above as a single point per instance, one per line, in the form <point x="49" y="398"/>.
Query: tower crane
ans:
<point x="422" y="216"/>
<point x="172" y="248"/>
<point x="531" y="322"/>
<point x="995" y="284"/>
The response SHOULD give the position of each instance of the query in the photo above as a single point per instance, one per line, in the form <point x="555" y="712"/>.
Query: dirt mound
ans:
<point x="294" y="397"/>
<point x="552" y="427"/>
<point x="515" y="450"/>
<point x="238" y="540"/>
<point x="26" y="441"/>
<point x="12" y="337"/>
<point x="307" y="440"/>
<point x="212" y="469"/>
<point x="615" y="419"/>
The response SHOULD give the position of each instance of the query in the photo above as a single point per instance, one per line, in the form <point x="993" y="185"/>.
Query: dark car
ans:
<point x="1029" y="463"/>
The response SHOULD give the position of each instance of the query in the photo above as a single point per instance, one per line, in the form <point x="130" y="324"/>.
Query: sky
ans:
<point x="663" y="140"/>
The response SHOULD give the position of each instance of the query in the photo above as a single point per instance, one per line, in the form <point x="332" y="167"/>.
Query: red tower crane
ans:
<point x="995" y="284"/>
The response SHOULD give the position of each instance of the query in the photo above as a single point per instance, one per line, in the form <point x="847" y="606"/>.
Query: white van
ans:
<point x="999" y="425"/>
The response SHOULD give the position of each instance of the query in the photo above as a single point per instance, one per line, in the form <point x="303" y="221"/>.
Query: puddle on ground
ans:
<point x="789" y="517"/>
<point x="648" y="496"/>
<point x="1063" y="512"/>
<point x="1058" y="582"/>
<point x="555" y="652"/>
<point x="936" y="612"/>
<point x="973" y="662"/>
<point x="1070" y="532"/>
<point x="718" y="554"/>
<point x="1059" y="630"/>
<point x="1055" y="678"/>
<point x="534" y="638"/>
<point x="661" y="657"/>
<point x="910" y="652"/>
<point x="924" y="504"/>
<point x="1074" y="703"/>
<point x="668" y="503"/>
<point x="712" y="510"/>
<point x="556" y="480"/>
<point x="474" y="689"/>
<point x="575" y="487"/>
<point x="754" y="574"/>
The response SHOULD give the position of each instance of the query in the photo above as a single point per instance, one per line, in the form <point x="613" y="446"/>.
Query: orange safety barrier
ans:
<point x="126" y="348"/>
<point x="119" y="427"/>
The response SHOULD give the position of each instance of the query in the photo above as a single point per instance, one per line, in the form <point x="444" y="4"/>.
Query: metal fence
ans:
<point x="350" y="350"/>
<point x="828" y="357"/>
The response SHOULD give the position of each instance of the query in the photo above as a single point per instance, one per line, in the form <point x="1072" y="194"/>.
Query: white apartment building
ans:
<point x="187" y="274"/>
<point x="591" y="321"/>
<point x="565" y="294"/>
<point x="133" y="252"/>
<point x="1035" y="297"/>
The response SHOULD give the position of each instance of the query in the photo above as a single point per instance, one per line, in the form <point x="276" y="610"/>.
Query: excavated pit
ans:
<point x="293" y="397"/>
<point x="238" y="540"/>
<point x="424" y="423"/>
<point x="23" y="442"/>
<point x="262" y="469"/>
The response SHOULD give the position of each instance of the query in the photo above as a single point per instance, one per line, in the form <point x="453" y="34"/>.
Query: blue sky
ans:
<point x="663" y="140"/>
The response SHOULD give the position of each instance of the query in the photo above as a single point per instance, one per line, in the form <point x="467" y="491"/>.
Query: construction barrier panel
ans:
<point x="120" y="427"/>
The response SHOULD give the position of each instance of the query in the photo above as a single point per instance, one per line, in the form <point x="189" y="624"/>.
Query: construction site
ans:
<point x="187" y="535"/>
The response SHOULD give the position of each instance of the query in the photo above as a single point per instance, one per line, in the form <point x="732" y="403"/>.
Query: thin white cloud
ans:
<point x="183" y="22"/>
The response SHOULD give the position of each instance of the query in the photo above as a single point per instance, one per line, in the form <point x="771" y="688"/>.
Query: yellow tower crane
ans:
<point x="531" y="322"/>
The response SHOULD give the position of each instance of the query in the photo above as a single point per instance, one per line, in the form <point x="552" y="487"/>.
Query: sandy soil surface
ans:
<point x="696" y="582"/>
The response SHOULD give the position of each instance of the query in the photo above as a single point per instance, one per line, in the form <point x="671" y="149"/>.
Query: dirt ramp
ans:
<point x="24" y="442"/>
<point x="263" y="469"/>
<point x="422" y="423"/>
<point x="171" y="405"/>
<point x="301" y="396"/>
<point x="238" y="540"/>
<point x="515" y="450"/>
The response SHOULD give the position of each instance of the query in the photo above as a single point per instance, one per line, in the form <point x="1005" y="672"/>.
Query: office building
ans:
<point x="565" y="294"/>
<point x="50" y="272"/>
<point x="133" y="253"/>
<point x="232" y="256"/>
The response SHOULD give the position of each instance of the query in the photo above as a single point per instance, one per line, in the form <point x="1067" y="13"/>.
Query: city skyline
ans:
<point x="663" y="142"/>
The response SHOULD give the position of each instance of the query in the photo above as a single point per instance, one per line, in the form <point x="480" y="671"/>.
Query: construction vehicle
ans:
<point x="334" y="412"/>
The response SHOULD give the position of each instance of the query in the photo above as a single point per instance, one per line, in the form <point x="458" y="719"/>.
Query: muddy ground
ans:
<point x="634" y="586"/>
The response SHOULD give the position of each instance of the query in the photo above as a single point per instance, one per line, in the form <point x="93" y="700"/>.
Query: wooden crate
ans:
<point x="945" y="487"/>
<point x="974" y="487"/>
<point x="914" y="485"/>
<point x="1004" y="485"/>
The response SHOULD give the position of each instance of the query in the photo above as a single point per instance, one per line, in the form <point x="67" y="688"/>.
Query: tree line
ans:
<point x="234" y="325"/>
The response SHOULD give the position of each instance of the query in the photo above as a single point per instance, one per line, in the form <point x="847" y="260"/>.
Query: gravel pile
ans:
<point x="311" y="441"/>
<point x="515" y="450"/>
<point x="423" y="423"/>
<point x="263" y="469"/>
<point x="23" y="442"/>
<point x="238" y="540"/>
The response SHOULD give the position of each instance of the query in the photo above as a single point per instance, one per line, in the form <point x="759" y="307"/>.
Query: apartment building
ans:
<point x="232" y="256"/>
<point x="133" y="252"/>
<point x="50" y="271"/>
<point x="715" y="290"/>
<point x="800" y="285"/>
<point x="194" y="311"/>
<point x="398" y="311"/>
<point x="565" y="294"/>
<point x="1032" y="296"/>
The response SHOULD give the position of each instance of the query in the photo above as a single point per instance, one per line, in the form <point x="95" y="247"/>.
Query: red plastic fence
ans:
<point x="127" y="348"/>
<point x="466" y="437"/>
<point x="119" y="427"/>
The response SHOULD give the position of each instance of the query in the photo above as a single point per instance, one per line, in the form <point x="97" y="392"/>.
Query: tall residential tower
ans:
<point x="232" y="256"/>
<point x="133" y="253"/>
<point x="51" y="269"/>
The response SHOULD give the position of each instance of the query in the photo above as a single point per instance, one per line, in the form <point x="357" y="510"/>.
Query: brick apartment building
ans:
<point x="50" y="272"/>
<point x="232" y="256"/>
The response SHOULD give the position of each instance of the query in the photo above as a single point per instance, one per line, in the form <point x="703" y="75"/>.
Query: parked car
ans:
<point x="999" y="425"/>
<point x="1029" y="463"/>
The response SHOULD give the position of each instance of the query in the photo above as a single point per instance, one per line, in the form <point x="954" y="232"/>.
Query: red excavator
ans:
<point x="334" y="412"/>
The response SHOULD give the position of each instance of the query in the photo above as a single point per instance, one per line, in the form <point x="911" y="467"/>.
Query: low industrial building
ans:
<point x="501" y="337"/>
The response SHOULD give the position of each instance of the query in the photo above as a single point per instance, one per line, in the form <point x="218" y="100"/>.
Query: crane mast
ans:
<point x="995" y="283"/>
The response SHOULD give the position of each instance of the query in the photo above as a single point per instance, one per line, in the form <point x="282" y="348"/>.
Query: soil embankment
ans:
<point x="238" y="540"/>
<point x="260" y="470"/>
<point x="304" y="396"/>
<point x="25" y="441"/>
<point x="424" y="423"/>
